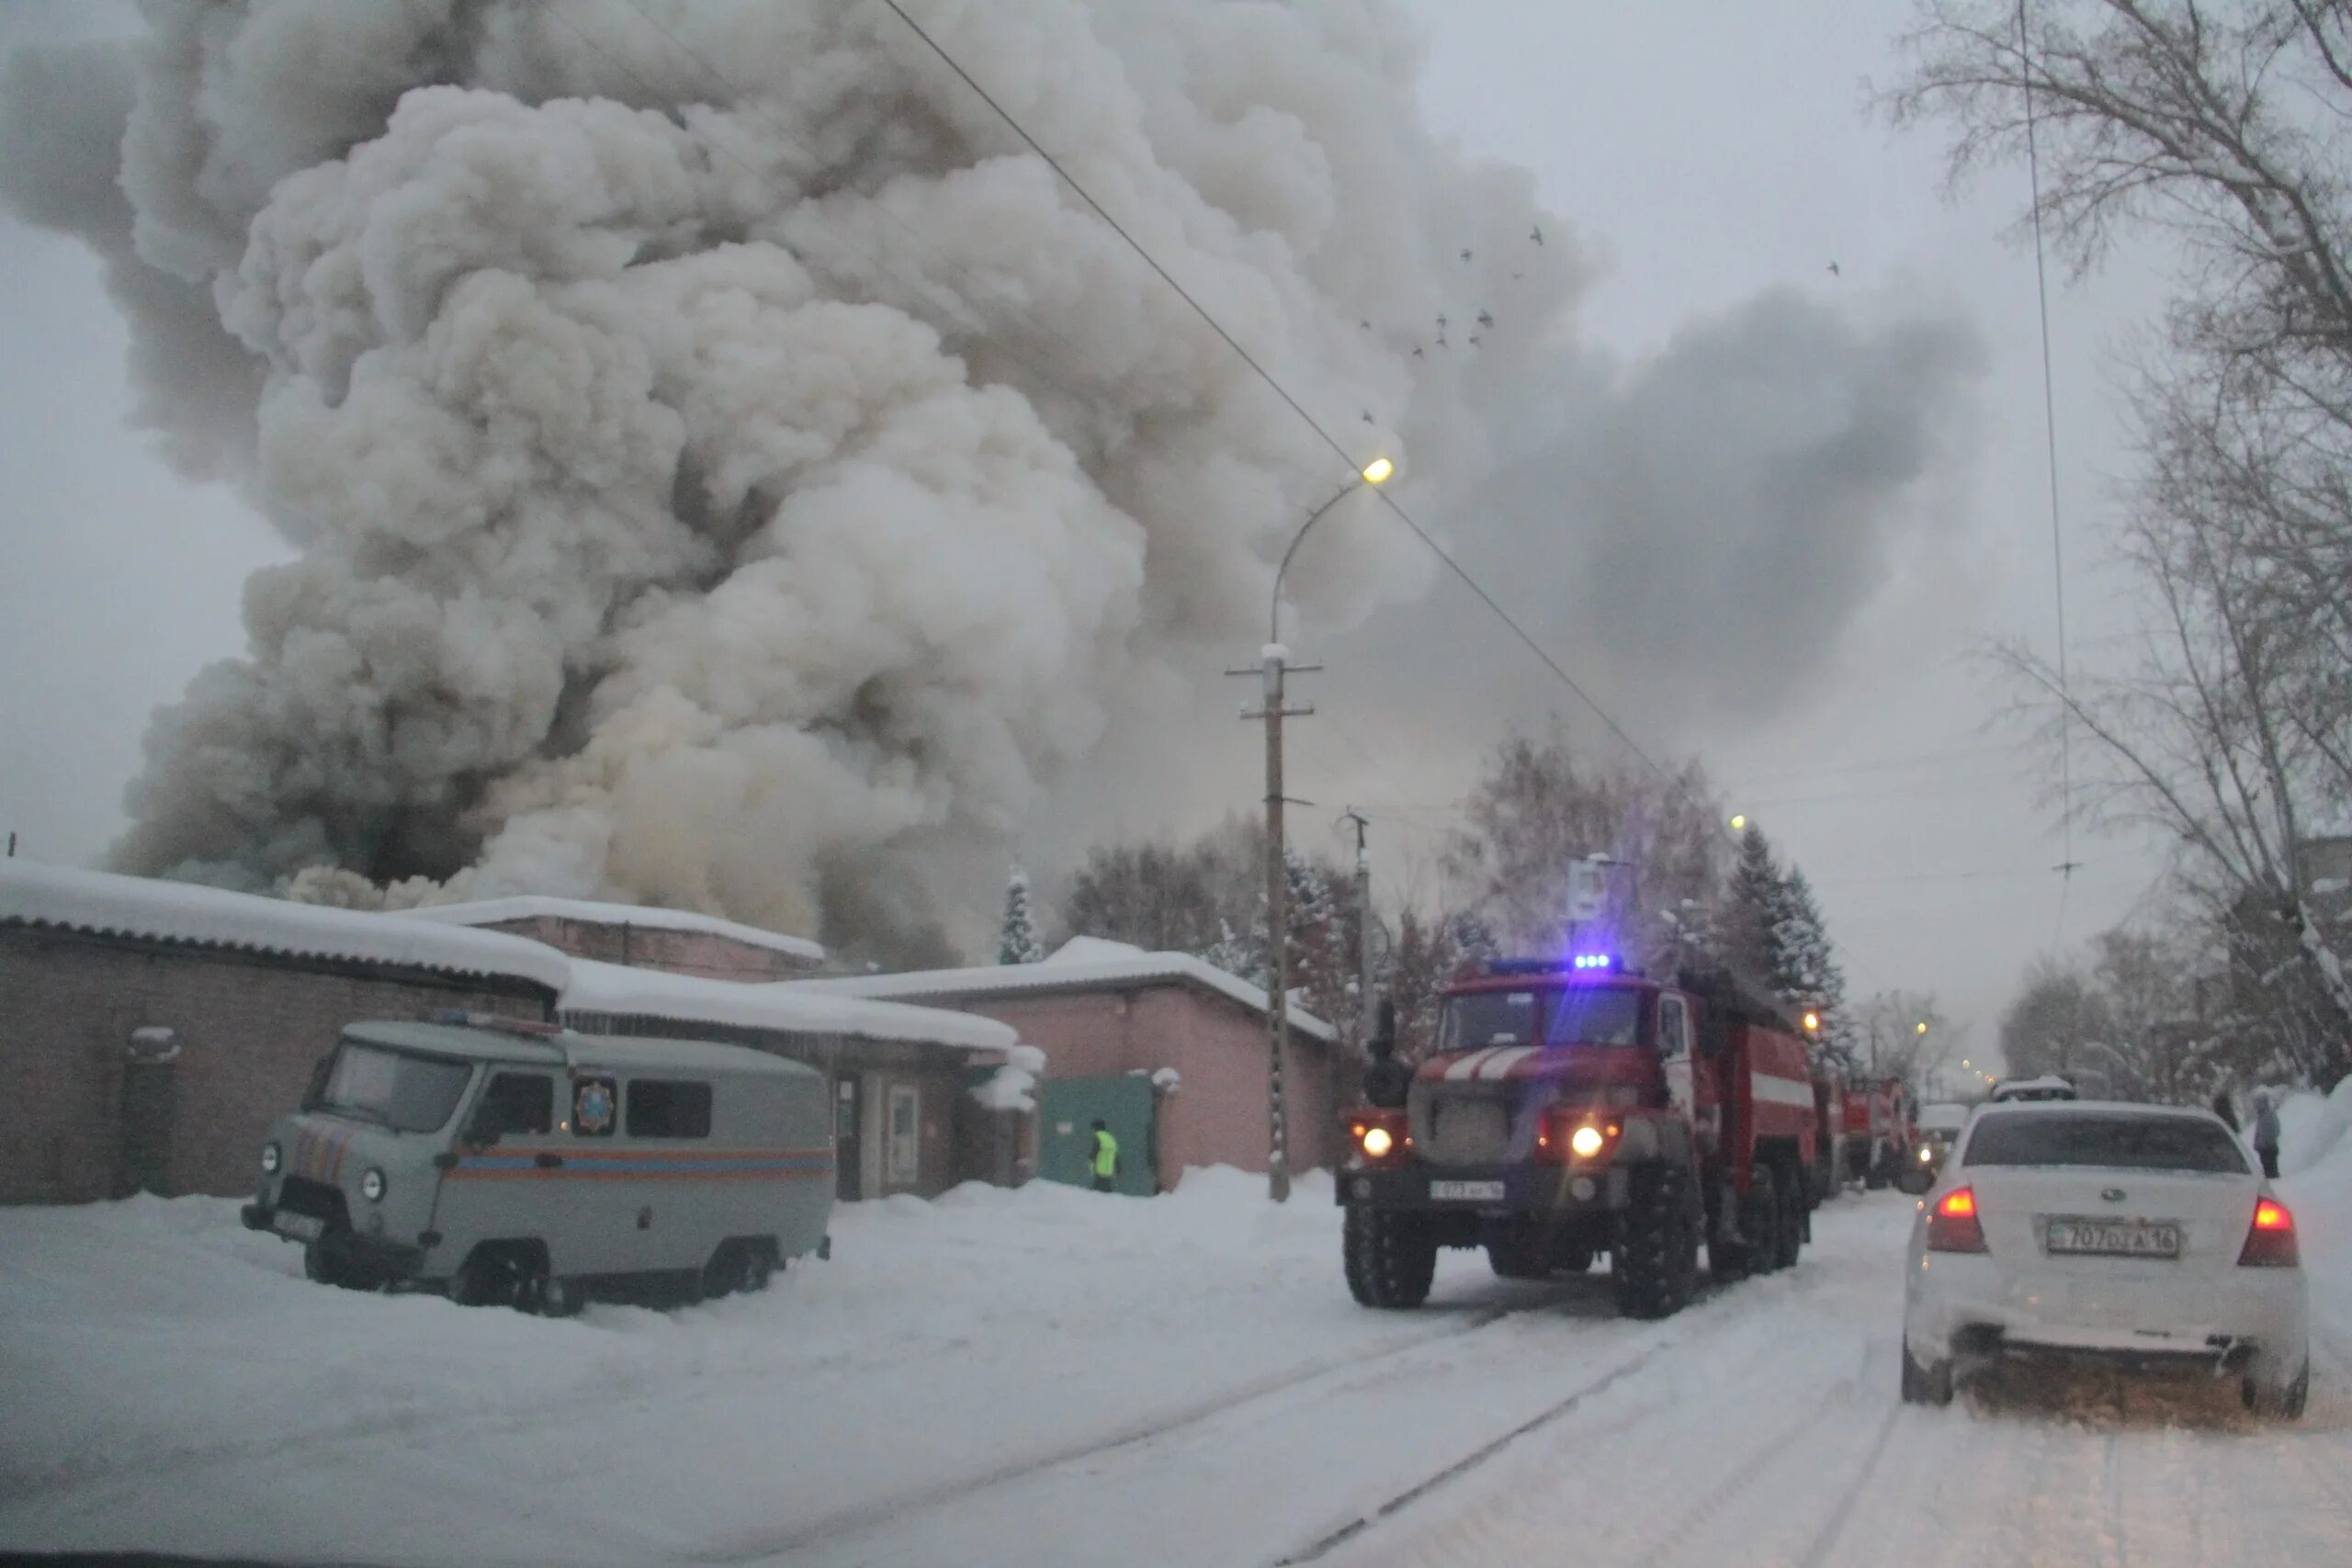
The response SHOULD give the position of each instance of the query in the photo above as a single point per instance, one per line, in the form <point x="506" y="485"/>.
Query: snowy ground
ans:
<point x="1049" y="1377"/>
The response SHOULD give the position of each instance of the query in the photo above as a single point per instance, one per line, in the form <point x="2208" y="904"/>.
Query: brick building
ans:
<point x="676" y="940"/>
<point x="1104" y="1012"/>
<point x="150" y="1030"/>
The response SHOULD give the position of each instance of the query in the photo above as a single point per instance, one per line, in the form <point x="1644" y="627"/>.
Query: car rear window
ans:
<point x="2121" y="1141"/>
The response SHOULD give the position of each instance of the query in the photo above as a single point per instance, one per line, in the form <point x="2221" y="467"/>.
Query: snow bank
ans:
<point x="497" y="912"/>
<point x="100" y="901"/>
<point x="2311" y="1126"/>
<point x="618" y="991"/>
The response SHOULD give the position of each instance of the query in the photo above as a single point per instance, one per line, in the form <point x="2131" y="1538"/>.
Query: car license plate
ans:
<point x="301" y="1227"/>
<point x="1466" y="1192"/>
<point x="2113" y="1238"/>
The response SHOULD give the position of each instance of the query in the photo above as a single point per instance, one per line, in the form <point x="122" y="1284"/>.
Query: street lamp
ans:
<point x="1274" y="661"/>
<point x="1372" y="473"/>
<point x="1739" y="822"/>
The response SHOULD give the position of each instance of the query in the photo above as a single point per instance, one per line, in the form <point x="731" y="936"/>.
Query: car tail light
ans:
<point x="2271" y="1240"/>
<point x="1951" y="1225"/>
<point x="1378" y="1135"/>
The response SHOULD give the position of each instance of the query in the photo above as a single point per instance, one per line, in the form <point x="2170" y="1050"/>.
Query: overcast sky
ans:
<point x="1709" y="151"/>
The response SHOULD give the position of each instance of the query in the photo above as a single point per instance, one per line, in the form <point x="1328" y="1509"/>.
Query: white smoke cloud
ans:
<point x="729" y="470"/>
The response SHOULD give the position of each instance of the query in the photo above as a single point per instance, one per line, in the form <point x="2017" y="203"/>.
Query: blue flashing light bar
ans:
<point x="1589" y="961"/>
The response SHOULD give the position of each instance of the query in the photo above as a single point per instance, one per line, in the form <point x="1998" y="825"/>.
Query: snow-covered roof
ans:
<point x="614" y="990"/>
<point x="1082" y="963"/>
<point x="532" y="905"/>
<point x="72" y="899"/>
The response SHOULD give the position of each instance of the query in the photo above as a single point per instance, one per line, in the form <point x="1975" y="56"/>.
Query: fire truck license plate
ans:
<point x="1466" y="1192"/>
<point x="2112" y="1238"/>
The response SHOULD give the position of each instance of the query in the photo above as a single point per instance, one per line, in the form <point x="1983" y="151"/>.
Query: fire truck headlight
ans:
<point x="1586" y="1141"/>
<point x="1377" y="1141"/>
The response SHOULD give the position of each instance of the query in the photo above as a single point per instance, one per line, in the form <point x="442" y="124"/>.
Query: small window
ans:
<point x="1671" y="1040"/>
<point x="594" y="1102"/>
<point x="662" y="1108"/>
<point x="517" y="1103"/>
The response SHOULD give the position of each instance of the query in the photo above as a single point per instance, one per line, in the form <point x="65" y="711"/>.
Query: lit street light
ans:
<point x="1274" y="661"/>
<point x="1739" y="822"/>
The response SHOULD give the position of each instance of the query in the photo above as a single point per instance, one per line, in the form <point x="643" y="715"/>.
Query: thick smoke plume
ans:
<point x="729" y="469"/>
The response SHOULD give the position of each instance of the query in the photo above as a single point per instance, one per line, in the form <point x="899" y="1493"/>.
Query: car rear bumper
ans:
<point x="1548" y="1189"/>
<point x="1961" y="1305"/>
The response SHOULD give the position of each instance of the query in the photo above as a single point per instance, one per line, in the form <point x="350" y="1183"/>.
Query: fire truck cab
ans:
<point x="1572" y="1108"/>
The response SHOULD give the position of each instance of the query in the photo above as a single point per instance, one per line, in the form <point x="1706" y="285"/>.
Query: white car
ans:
<point x="2138" y="1233"/>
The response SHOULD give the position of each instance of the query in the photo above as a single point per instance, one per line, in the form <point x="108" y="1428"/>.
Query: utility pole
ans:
<point x="1364" y="1013"/>
<point x="1275" y="663"/>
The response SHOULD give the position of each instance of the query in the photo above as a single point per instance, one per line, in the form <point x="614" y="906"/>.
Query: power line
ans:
<point x="2057" y="538"/>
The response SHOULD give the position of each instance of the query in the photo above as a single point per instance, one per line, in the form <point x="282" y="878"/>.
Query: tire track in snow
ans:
<point x="887" y="1510"/>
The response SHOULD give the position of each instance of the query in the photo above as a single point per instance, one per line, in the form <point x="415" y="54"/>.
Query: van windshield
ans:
<point x="408" y="1094"/>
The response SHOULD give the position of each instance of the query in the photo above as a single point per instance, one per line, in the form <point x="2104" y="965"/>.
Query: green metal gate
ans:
<point x="1067" y="1110"/>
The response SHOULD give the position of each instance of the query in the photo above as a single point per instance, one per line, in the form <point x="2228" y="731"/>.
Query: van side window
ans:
<point x="666" y="1108"/>
<point x="515" y="1103"/>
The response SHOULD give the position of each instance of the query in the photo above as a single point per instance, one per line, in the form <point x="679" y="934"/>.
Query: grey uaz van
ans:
<point x="529" y="1166"/>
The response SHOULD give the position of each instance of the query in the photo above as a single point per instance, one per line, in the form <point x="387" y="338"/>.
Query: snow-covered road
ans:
<point x="1049" y="1377"/>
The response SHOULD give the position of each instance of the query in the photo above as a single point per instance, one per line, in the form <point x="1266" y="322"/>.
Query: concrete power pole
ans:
<point x="1275" y="663"/>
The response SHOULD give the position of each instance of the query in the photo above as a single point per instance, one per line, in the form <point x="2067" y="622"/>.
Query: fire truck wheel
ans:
<point x="1794" y="1222"/>
<point x="1926" y="1385"/>
<point x="1655" y="1264"/>
<point x="1390" y="1258"/>
<point x="1759" y="1222"/>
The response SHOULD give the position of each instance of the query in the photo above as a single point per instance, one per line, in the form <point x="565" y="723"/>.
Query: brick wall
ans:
<point x="706" y="954"/>
<point x="248" y="1026"/>
<point x="1218" y="1114"/>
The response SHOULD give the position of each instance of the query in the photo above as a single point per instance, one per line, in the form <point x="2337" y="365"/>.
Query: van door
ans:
<point x="673" y="1172"/>
<point x="497" y="1188"/>
<point x="904" y="1137"/>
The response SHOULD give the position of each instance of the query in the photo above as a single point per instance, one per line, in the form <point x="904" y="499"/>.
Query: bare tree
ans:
<point x="2217" y="127"/>
<point x="1886" y="1026"/>
<point x="2059" y="1023"/>
<point x="1536" y="810"/>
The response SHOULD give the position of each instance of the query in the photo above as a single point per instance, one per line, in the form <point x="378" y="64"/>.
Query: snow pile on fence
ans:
<point x="71" y="900"/>
<point x="2311" y="1126"/>
<point x="1009" y="1088"/>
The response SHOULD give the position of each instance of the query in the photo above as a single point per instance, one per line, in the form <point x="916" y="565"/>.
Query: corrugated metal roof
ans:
<point x="526" y="906"/>
<point x="67" y="899"/>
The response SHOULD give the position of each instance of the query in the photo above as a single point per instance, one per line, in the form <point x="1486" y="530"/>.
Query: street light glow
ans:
<point x="1923" y="1026"/>
<point x="1739" y="822"/>
<point x="1377" y="471"/>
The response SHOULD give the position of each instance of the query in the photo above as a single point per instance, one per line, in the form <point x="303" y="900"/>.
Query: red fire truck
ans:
<point x="1573" y="1108"/>
<point x="1879" y="1134"/>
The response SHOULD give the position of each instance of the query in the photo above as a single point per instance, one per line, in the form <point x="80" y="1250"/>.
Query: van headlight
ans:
<point x="1925" y="1155"/>
<point x="371" y="1186"/>
<point x="272" y="1156"/>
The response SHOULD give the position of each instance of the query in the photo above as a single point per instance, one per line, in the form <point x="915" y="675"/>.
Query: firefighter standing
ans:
<point x="1104" y="1161"/>
<point x="2266" y="1133"/>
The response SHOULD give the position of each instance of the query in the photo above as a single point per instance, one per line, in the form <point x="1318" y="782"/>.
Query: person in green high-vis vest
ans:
<point x="1104" y="1161"/>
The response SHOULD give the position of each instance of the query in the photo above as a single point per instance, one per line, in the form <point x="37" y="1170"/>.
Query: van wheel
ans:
<point x="758" y="1268"/>
<point x="498" y="1276"/>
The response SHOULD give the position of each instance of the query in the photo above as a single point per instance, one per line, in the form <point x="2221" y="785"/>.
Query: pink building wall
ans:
<point x="1217" y="1116"/>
